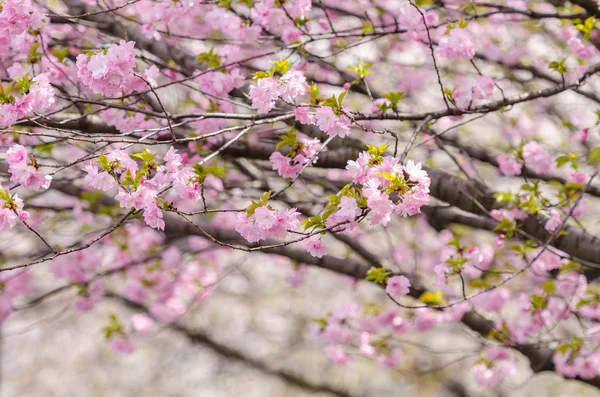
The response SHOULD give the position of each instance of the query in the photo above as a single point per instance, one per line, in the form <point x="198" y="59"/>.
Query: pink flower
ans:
<point x="484" y="87"/>
<point x="336" y="333"/>
<point x="588" y="367"/>
<point x="459" y="44"/>
<point x="415" y="173"/>
<point x="283" y="165"/>
<point x="142" y="324"/>
<point x="265" y="222"/>
<point x="167" y="312"/>
<point x="579" y="177"/>
<point x="29" y="177"/>
<point x="16" y="154"/>
<point x="98" y="180"/>
<point x="336" y="354"/>
<point x="265" y="93"/>
<point x="498" y="365"/>
<point x="509" y="166"/>
<point x="381" y="103"/>
<point x="348" y="208"/>
<point x="24" y="173"/>
<point x="298" y="8"/>
<point x="397" y="286"/>
<point x="325" y="118"/>
<point x="108" y="73"/>
<point x="264" y="217"/>
<point x="564" y="364"/>
<point x="121" y="344"/>
<point x="537" y="158"/>
<point x="153" y="216"/>
<point x="581" y="50"/>
<point x="248" y="229"/>
<point x="294" y="84"/>
<point x="332" y="125"/>
<point x="173" y="160"/>
<point x="554" y="220"/>
<point x="317" y="249"/>
<point x="302" y="116"/>
<point x="492" y="301"/>
<point x="381" y="206"/>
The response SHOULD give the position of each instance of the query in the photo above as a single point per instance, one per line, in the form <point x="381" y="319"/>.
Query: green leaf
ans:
<point x="367" y="27"/>
<point x="146" y="156"/>
<point x="209" y="58"/>
<point x="378" y="275"/>
<point x="549" y="287"/>
<point x="594" y="156"/>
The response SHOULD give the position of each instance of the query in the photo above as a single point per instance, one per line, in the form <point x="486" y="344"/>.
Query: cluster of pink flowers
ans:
<point x="266" y="222"/>
<point x="108" y="72"/>
<point x="585" y="364"/>
<point x="219" y="83"/>
<point x="537" y="158"/>
<point x="465" y="95"/>
<point x="126" y="123"/>
<point x="458" y="44"/>
<point x="580" y="49"/>
<point x="16" y="17"/>
<point x="289" y="167"/>
<point x="275" y="18"/>
<point x="345" y="327"/>
<point x="413" y="185"/>
<point x="345" y="217"/>
<point x="38" y="97"/>
<point x="268" y="89"/>
<point x="24" y="169"/>
<point x="496" y="364"/>
<point x="142" y="193"/>
<point x="508" y="165"/>
<point x="11" y="210"/>
<point x="332" y="124"/>
<point x="326" y="119"/>
<point x="397" y="286"/>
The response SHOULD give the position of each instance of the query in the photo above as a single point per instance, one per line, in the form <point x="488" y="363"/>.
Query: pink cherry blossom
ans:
<point x="458" y="44"/>
<point x="397" y="286"/>
<point x="537" y="157"/>
<point x="317" y="249"/>
<point x="509" y="166"/>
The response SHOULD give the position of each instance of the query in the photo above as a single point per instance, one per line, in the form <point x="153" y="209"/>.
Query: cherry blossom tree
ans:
<point x="444" y="152"/>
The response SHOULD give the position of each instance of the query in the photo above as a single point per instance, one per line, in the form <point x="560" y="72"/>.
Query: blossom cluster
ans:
<point x="167" y="292"/>
<point x="24" y="96"/>
<point x="382" y="176"/>
<point x="138" y="187"/>
<point x="265" y="222"/>
<point x="108" y="72"/>
<point x="495" y="365"/>
<point x="268" y="89"/>
<point x="25" y="170"/>
<point x="371" y="331"/>
<point x="16" y="18"/>
<point x="301" y="152"/>
<point x="11" y="210"/>
<point x="332" y="122"/>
